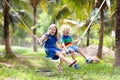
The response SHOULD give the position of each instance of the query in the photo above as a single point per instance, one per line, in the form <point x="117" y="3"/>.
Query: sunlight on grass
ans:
<point x="34" y="66"/>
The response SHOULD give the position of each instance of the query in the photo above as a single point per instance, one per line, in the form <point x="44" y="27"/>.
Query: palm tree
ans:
<point x="117" y="35"/>
<point x="98" y="3"/>
<point x="34" y="4"/>
<point x="99" y="52"/>
<point x="9" y="52"/>
<point x="112" y="20"/>
<point x="1" y="25"/>
<point x="10" y="17"/>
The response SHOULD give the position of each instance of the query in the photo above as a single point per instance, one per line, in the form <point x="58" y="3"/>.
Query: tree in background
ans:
<point x="98" y="4"/>
<point x="34" y="4"/>
<point x="1" y="25"/>
<point x="8" y="50"/>
<point x="11" y="21"/>
<point x="117" y="35"/>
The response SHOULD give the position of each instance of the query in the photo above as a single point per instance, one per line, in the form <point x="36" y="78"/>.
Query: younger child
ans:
<point x="49" y="41"/>
<point x="67" y="44"/>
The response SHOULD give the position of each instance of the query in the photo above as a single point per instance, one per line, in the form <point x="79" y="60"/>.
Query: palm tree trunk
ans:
<point x="8" y="50"/>
<point x="117" y="36"/>
<point x="34" y="4"/>
<point x="34" y="30"/>
<point x="99" y="52"/>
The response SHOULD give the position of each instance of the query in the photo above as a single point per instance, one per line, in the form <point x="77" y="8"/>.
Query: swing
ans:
<point x="47" y="55"/>
<point x="55" y="57"/>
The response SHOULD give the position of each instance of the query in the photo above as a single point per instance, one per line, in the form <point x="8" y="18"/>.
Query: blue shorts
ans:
<point x="50" y="52"/>
<point x="73" y="48"/>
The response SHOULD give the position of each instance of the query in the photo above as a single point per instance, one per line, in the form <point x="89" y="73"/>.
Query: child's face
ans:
<point x="66" y="31"/>
<point x="52" y="30"/>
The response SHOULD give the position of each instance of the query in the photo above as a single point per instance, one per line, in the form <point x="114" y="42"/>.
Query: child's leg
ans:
<point x="59" y="66"/>
<point x="64" y="59"/>
<point x="61" y="61"/>
<point x="72" y="51"/>
<point x="81" y="53"/>
<point x="73" y="55"/>
<point x="64" y="53"/>
<point x="76" y="66"/>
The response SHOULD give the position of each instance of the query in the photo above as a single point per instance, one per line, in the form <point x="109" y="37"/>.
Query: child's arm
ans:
<point x="64" y="47"/>
<point x="76" y="40"/>
<point x="79" y="39"/>
<point x="41" y="39"/>
<point x="57" y="45"/>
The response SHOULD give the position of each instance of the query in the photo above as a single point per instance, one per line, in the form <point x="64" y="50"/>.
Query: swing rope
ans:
<point x="26" y="26"/>
<point x="90" y="23"/>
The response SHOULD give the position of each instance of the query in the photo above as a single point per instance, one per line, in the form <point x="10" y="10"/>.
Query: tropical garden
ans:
<point x="95" y="22"/>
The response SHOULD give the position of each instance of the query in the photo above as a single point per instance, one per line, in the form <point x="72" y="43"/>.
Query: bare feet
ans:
<point x="59" y="69"/>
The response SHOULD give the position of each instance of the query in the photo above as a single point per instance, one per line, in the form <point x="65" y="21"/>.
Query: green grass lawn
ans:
<point x="31" y="65"/>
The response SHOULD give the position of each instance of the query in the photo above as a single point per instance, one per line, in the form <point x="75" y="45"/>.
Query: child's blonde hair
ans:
<point x="54" y="25"/>
<point x="66" y="27"/>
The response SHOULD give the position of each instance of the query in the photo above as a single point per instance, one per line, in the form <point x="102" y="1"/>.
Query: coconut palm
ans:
<point x="10" y="17"/>
<point x="1" y="25"/>
<point x="9" y="52"/>
<point x="97" y="5"/>
<point x="34" y="4"/>
<point x="117" y="35"/>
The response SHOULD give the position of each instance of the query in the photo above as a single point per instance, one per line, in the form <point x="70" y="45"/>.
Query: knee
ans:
<point x="63" y="53"/>
<point x="72" y="51"/>
<point x="79" y="49"/>
<point x="60" y="53"/>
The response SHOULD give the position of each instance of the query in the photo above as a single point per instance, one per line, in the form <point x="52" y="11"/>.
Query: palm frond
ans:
<point x="26" y="20"/>
<point x="44" y="5"/>
<point x="82" y="8"/>
<point x="19" y="15"/>
<point x="61" y="13"/>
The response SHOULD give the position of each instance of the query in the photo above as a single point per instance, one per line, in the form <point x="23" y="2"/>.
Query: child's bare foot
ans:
<point x="59" y="69"/>
<point x="70" y="65"/>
